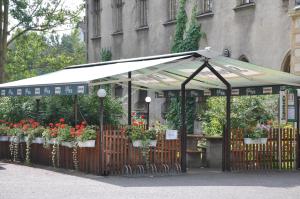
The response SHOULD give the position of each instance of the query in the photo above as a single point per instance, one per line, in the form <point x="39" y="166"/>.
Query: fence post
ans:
<point x="279" y="147"/>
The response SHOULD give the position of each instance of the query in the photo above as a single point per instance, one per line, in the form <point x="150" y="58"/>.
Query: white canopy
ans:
<point x="160" y="73"/>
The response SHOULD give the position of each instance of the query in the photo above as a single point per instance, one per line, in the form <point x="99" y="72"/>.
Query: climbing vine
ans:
<point x="173" y="114"/>
<point x="187" y="36"/>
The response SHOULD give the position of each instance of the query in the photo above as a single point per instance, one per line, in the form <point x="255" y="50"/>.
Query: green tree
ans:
<point x="18" y="17"/>
<point x="33" y="54"/>
<point x="246" y="111"/>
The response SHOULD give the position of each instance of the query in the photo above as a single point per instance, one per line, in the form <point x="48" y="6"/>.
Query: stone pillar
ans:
<point x="295" y="41"/>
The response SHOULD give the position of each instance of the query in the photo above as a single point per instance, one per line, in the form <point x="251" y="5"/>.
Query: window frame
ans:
<point x="118" y="16"/>
<point x="172" y="10"/>
<point x="142" y="13"/>
<point x="96" y="18"/>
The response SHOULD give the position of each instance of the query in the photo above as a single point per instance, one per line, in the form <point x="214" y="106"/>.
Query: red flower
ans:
<point x="77" y="126"/>
<point x="133" y="114"/>
<point x="141" y="123"/>
<point x="143" y="116"/>
<point x="62" y="126"/>
<point x="62" y="120"/>
<point x="57" y="124"/>
<point x="51" y="125"/>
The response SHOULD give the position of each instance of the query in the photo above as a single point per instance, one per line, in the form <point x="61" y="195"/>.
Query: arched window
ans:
<point x="243" y="58"/>
<point x="286" y="64"/>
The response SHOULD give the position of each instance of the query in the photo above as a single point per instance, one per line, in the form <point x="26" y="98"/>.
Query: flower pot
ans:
<point x="67" y="144"/>
<point x="255" y="141"/>
<point x="137" y="143"/>
<point x="88" y="143"/>
<point x="4" y="138"/>
<point x="16" y="139"/>
<point x="38" y="140"/>
<point x="153" y="143"/>
<point x="263" y="140"/>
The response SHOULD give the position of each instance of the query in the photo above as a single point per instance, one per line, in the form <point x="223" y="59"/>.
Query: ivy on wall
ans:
<point x="174" y="118"/>
<point x="186" y="38"/>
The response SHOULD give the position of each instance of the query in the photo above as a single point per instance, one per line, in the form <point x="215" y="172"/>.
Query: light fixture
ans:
<point x="101" y="93"/>
<point x="148" y="99"/>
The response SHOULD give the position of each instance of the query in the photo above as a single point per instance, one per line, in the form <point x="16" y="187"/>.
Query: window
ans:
<point x="205" y="6"/>
<point x="97" y="17"/>
<point x="172" y="10"/>
<point x="243" y="2"/>
<point x="142" y="13"/>
<point x="118" y="15"/>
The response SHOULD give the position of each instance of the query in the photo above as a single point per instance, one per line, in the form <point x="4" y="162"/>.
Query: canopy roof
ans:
<point x="159" y="73"/>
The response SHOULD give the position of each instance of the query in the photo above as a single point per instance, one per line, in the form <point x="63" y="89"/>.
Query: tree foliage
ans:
<point x="18" y="17"/>
<point x="246" y="111"/>
<point x="34" y="54"/>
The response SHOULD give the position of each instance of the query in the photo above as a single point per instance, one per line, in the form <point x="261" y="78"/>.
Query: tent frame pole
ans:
<point x="129" y="98"/>
<point x="227" y="132"/>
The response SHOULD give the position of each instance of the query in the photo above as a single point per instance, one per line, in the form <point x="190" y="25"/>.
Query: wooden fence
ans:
<point x="116" y="152"/>
<point x="279" y="152"/>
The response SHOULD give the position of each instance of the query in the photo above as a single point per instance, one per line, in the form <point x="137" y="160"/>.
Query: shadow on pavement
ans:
<point x="199" y="177"/>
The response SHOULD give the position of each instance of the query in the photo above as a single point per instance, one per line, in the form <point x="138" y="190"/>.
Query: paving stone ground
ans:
<point x="17" y="181"/>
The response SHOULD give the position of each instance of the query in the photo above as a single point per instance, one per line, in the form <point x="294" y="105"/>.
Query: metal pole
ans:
<point x="75" y="109"/>
<point x="148" y="114"/>
<point x="129" y="99"/>
<point x="228" y="129"/>
<point x="38" y="109"/>
<point x="183" y="134"/>
<point x="101" y="169"/>
<point x="297" y="146"/>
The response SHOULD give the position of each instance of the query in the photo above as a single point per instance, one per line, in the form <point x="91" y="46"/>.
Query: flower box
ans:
<point x="4" y="138"/>
<point x="137" y="143"/>
<point x="38" y="140"/>
<point x="255" y="141"/>
<point x="88" y="143"/>
<point x="67" y="144"/>
<point x="16" y="139"/>
<point x="153" y="143"/>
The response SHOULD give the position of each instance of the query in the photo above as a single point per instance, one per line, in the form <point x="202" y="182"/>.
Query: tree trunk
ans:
<point x="3" y="35"/>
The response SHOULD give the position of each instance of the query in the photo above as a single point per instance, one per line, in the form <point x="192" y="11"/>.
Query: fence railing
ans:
<point x="279" y="152"/>
<point x="116" y="155"/>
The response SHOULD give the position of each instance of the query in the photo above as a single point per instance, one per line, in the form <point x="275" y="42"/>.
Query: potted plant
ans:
<point x="64" y="135"/>
<point x="3" y="133"/>
<point x="257" y="135"/>
<point x="86" y="136"/>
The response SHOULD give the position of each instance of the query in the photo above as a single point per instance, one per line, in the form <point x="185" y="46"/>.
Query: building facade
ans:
<point x="257" y="31"/>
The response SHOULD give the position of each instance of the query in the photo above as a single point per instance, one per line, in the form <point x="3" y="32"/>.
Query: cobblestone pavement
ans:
<point x="17" y="181"/>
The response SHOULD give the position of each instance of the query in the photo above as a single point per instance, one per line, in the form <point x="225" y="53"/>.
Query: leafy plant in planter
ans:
<point x="4" y="128"/>
<point x="16" y="134"/>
